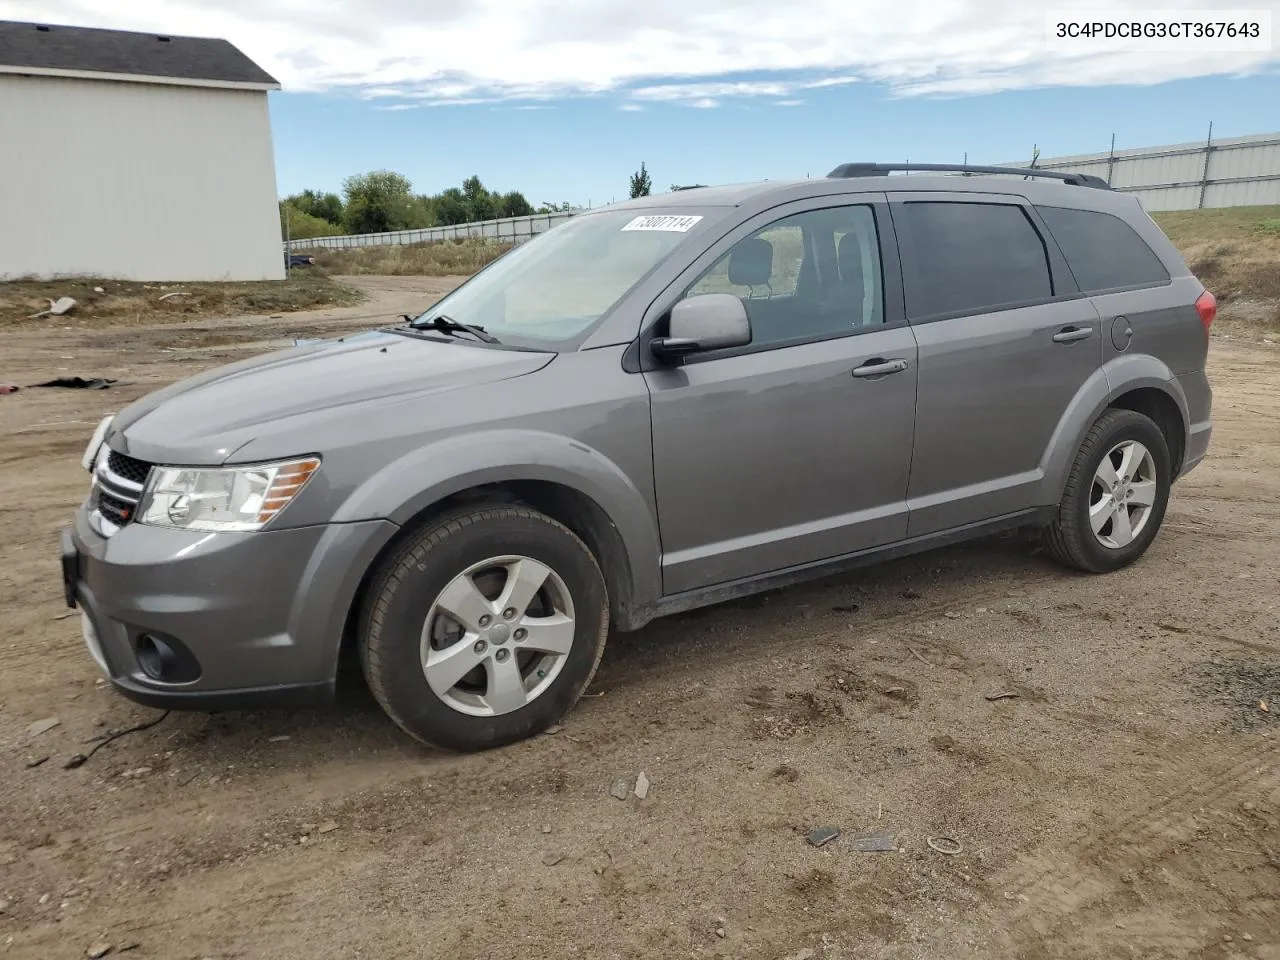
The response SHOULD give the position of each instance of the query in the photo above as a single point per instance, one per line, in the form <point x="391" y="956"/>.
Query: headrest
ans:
<point x="849" y="254"/>
<point x="751" y="262"/>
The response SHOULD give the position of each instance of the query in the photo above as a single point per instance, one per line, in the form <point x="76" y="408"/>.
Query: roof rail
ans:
<point x="846" y="170"/>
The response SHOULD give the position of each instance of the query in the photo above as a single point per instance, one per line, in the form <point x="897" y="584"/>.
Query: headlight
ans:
<point x="222" y="498"/>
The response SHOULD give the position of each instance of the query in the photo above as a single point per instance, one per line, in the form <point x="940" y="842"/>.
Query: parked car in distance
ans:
<point x="300" y="260"/>
<point x="654" y="406"/>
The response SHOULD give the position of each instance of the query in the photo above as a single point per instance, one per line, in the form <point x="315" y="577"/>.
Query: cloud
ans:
<point x="440" y="52"/>
<point x="631" y="107"/>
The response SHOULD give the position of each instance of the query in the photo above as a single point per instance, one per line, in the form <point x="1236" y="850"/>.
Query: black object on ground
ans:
<point x="79" y="383"/>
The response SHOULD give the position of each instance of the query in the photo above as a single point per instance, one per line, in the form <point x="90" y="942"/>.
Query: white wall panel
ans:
<point x="136" y="181"/>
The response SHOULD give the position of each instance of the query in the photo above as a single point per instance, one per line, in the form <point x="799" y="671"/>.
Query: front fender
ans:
<point x="407" y="486"/>
<point x="1114" y="379"/>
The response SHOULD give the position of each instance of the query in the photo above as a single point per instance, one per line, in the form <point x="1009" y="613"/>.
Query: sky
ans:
<point x="563" y="99"/>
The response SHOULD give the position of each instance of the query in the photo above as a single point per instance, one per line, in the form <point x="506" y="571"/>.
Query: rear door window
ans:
<point x="1103" y="252"/>
<point x="967" y="257"/>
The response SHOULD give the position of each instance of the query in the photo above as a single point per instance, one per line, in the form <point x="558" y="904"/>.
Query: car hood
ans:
<point x="205" y="419"/>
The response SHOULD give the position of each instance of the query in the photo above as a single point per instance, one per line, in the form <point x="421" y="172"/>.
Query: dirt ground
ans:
<point x="1125" y="803"/>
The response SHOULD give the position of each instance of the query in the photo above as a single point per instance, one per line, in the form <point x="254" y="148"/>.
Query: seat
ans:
<point x="852" y="282"/>
<point x="751" y="263"/>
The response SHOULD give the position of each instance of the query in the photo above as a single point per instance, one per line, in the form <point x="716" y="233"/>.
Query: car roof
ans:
<point x="1036" y="190"/>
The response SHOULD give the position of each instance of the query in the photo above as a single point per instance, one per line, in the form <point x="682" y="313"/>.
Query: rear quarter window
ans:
<point x="1103" y="252"/>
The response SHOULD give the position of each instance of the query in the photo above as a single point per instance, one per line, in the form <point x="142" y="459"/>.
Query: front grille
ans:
<point x="120" y="482"/>
<point x="116" y="510"/>
<point x="130" y="469"/>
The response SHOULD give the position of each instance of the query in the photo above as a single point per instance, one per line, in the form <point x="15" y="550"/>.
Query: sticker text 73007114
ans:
<point x="667" y="222"/>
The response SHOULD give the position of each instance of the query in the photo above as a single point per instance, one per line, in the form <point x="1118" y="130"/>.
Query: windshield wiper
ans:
<point x="446" y="325"/>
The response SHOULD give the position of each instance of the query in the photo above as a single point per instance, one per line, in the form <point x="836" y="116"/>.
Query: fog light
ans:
<point x="165" y="659"/>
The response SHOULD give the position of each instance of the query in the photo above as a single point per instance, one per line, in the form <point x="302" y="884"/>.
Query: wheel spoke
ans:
<point x="1101" y="512"/>
<point x="1130" y="457"/>
<point x="553" y="634"/>
<point x="1144" y="493"/>
<point x="1122" y="529"/>
<point x="505" y="691"/>
<point x="444" y="668"/>
<point x="1106" y="475"/>
<point x="463" y="601"/>
<point x="525" y="578"/>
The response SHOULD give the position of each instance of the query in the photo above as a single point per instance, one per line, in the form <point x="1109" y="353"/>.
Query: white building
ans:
<point x="134" y="156"/>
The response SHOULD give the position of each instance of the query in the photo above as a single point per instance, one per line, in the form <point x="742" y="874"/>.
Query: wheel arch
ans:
<point x="1140" y="383"/>
<point x="564" y="479"/>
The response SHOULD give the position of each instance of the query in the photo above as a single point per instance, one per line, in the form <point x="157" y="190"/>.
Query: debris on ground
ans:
<point x="327" y="827"/>
<point x="36" y="761"/>
<point x="176" y="293"/>
<point x="947" y="846"/>
<point x="621" y="789"/>
<point x="642" y="786"/>
<point x="98" y="950"/>
<point x="822" y="835"/>
<point x="917" y="654"/>
<point x="9" y="388"/>
<point x="875" y="841"/>
<point x="135" y="773"/>
<point x="1006" y="695"/>
<point x="56" y="308"/>
<point x="552" y="730"/>
<point x="79" y="383"/>
<point x="280" y="739"/>
<point x="42" y="726"/>
<point x="720" y="932"/>
<point x="546" y="828"/>
<point x="80" y="759"/>
<point x="1262" y="705"/>
<point x="550" y="858"/>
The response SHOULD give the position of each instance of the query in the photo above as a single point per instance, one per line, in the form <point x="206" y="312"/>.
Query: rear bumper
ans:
<point x="1195" y="387"/>
<point x="193" y="621"/>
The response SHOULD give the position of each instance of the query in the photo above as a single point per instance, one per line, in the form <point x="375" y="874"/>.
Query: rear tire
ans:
<point x="1115" y="497"/>
<point x="484" y="627"/>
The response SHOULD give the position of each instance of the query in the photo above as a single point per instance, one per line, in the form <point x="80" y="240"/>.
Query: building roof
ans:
<point x="86" y="52"/>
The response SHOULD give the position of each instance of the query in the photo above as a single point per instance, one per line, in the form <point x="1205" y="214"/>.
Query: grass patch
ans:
<point x="435" y="258"/>
<point x="127" y="303"/>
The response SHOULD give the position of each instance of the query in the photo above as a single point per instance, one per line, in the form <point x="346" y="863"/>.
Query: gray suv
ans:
<point x="652" y="407"/>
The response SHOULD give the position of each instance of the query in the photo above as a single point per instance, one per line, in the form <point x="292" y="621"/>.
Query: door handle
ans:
<point x="880" y="368"/>
<point x="1072" y="334"/>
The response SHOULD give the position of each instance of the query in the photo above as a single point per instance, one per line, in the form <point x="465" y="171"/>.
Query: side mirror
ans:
<point x="709" y="321"/>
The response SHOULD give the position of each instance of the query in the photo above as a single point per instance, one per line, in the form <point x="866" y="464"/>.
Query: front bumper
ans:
<point x="199" y="621"/>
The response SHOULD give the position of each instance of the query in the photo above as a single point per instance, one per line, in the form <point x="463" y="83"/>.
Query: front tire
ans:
<point x="1115" y="497"/>
<point x="484" y="627"/>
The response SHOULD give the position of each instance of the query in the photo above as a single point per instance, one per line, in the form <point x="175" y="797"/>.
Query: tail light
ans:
<point x="1207" y="307"/>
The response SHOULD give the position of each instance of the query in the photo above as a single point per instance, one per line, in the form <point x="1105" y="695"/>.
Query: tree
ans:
<point x="514" y="204"/>
<point x="451" y="207"/>
<point x="641" y="182"/>
<point x="377" y="202"/>
<point x="297" y="224"/>
<point x="326" y="206"/>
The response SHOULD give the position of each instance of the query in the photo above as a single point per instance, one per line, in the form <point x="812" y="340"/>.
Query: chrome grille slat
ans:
<point x="118" y="485"/>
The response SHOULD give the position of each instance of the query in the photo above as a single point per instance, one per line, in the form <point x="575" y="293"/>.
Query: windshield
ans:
<point x="555" y="286"/>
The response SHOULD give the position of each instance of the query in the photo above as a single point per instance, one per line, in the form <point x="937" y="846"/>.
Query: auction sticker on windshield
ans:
<point x="668" y="223"/>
